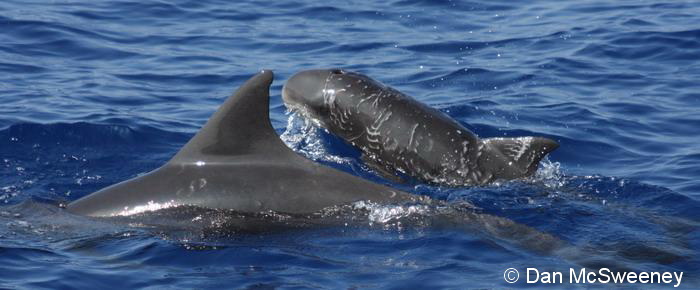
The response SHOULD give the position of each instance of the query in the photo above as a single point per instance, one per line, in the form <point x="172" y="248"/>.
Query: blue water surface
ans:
<point x="96" y="92"/>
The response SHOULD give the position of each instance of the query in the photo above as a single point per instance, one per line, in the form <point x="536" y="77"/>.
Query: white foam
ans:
<point x="150" y="206"/>
<point x="378" y="213"/>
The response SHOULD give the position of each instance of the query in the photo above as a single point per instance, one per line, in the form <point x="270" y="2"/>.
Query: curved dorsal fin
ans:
<point x="241" y="126"/>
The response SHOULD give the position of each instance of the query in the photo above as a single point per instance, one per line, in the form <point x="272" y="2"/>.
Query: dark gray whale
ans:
<point x="397" y="133"/>
<point x="237" y="162"/>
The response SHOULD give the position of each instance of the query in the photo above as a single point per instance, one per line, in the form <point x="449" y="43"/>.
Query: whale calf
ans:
<point x="396" y="133"/>
<point x="238" y="162"/>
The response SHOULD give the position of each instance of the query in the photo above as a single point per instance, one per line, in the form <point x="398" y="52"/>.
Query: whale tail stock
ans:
<point x="519" y="156"/>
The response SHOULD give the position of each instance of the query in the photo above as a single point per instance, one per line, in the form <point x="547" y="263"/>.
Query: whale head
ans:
<point x="309" y="91"/>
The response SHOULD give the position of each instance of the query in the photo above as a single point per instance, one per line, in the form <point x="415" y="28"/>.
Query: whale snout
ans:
<point x="307" y="88"/>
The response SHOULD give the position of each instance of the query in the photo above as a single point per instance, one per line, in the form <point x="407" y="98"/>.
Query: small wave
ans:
<point x="473" y="79"/>
<point x="87" y="134"/>
<point x="178" y="79"/>
<point x="466" y="5"/>
<point x="634" y="22"/>
<point x="647" y="45"/>
<point x="461" y="47"/>
<point x="20" y="68"/>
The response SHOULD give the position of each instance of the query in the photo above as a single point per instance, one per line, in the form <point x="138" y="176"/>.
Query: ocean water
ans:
<point x="96" y="92"/>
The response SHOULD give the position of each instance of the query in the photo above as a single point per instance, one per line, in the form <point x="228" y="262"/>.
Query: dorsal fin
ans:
<point x="525" y="153"/>
<point x="241" y="126"/>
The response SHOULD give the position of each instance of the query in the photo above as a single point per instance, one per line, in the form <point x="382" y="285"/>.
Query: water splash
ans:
<point x="148" y="207"/>
<point x="384" y="214"/>
<point x="550" y="174"/>
<point x="303" y="137"/>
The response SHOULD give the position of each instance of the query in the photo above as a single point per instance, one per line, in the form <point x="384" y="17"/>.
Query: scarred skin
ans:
<point x="397" y="133"/>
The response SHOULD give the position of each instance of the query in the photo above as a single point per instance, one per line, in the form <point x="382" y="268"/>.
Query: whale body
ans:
<point x="400" y="135"/>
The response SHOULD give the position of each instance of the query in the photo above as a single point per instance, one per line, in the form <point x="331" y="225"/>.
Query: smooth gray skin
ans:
<point x="397" y="133"/>
<point x="237" y="161"/>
